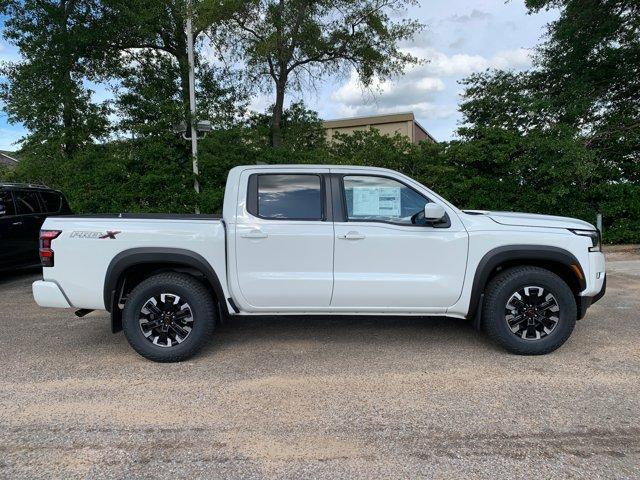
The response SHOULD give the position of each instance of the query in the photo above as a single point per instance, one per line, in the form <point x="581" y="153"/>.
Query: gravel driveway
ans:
<point x="321" y="397"/>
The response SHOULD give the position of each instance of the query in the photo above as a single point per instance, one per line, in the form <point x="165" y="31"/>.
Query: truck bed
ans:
<point x="87" y="244"/>
<point x="151" y="216"/>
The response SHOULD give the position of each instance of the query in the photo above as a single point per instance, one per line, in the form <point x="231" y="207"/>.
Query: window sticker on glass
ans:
<point x="376" y="201"/>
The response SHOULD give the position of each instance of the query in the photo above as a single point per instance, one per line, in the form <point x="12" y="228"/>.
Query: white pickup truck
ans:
<point x="329" y="240"/>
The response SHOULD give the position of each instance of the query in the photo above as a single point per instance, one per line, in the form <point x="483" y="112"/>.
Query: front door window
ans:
<point x="379" y="199"/>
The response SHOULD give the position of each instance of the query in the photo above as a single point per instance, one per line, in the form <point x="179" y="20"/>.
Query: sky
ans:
<point x="461" y="37"/>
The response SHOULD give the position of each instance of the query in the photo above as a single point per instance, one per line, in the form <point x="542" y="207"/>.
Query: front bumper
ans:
<point x="49" y="294"/>
<point x="596" y="274"/>
<point x="585" y="302"/>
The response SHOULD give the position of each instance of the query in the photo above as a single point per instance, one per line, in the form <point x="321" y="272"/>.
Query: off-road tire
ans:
<point x="200" y="301"/>
<point x="499" y="291"/>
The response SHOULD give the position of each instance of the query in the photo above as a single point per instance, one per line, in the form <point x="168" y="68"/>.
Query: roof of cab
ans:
<point x="311" y="167"/>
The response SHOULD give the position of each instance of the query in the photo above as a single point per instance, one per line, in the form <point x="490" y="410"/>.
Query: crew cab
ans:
<point x="326" y="240"/>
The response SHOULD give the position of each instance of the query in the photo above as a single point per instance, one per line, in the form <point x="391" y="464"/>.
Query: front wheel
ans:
<point x="168" y="317"/>
<point x="529" y="310"/>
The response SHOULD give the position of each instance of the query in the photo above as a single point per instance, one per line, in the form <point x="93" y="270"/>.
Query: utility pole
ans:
<point x="599" y="223"/>
<point x="192" y="99"/>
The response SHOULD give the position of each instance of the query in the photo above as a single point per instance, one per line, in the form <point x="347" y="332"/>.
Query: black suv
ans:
<point x="23" y="209"/>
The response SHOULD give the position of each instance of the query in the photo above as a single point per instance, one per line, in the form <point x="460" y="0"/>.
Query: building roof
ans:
<point x="6" y="158"/>
<point x="376" y="120"/>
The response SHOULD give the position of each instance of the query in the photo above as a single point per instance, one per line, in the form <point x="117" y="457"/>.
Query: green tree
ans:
<point x="149" y="98"/>
<point x="153" y="32"/>
<point x="302" y="128"/>
<point x="47" y="90"/>
<point x="589" y="71"/>
<point x="502" y="99"/>
<point x="565" y="135"/>
<point x="287" y="44"/>
<point x="7" y="174"/>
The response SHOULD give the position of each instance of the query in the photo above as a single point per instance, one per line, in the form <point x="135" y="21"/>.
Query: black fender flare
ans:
<point x="150" y="255"/>
<point x="509" y="253"/>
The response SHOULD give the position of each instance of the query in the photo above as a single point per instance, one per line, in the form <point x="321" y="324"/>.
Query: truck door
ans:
<point x="387" y="257"/>
<point x="284" y="240"/>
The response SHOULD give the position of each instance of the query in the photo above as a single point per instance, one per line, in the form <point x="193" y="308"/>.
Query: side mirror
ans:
<point x="433" y="212"/>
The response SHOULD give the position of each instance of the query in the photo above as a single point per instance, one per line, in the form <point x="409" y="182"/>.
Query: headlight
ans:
<point x="594" y="235"/>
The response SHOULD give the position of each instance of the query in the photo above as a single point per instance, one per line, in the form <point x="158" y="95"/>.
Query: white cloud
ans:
<point x="469" y="17"/>
<point x="457" y="43"/>
<point x="519" y="58"/>
<point x="411" y="93"/>
<point x="260" y="103"/>
<point x="455" y="65"/>
<point x="430" y="84"/>
<point x="422" y="87"/>
<point x="389" y="93"/>
<point x="462" y="64"/>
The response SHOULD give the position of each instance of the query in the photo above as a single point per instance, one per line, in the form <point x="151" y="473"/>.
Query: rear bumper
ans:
<point x="49" y="294"/>
<point x="585" y="302"/>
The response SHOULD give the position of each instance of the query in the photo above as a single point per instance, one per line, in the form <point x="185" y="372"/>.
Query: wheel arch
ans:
<point x="558" y="260"/>
<point x="139" y="263"/>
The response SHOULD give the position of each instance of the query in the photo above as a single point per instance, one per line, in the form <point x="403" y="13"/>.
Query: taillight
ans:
<point x="46" y="253"/>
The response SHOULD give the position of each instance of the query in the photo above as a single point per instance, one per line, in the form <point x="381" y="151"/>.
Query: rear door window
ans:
<point x="288" y="197"/>
<point x="27" y="202"/>
<point x="6" y="203"/>
<point x="51" y="201"/>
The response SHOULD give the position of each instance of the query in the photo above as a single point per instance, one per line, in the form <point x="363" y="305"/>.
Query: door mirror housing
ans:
<point x="433" y="212"/>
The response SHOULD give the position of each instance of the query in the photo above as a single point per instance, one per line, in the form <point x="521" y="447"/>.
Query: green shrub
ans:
<point x="498" y="170"/>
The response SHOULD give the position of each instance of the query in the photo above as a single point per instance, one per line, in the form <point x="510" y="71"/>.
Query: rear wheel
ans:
<point x="169" y="317"/>
<point x="529" y="310"/>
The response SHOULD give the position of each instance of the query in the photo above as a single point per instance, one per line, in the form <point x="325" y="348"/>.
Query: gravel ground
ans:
<point x="321" y="397"/>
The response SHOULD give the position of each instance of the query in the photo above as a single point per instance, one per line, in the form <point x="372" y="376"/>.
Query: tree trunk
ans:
<point x="276" y="118"/>
<point x="280" y="75"/>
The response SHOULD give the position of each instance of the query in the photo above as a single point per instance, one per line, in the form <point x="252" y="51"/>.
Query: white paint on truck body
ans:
<point x="81" y="263"/>
<point x="315" y="267"/>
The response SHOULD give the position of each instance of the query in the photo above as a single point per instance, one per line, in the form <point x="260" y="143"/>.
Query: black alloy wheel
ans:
<point x="166" y="319"/>
<point x="532" y="312"/>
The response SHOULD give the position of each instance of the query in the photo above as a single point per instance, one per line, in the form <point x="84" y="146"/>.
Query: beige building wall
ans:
<point x="402" y="123"/>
